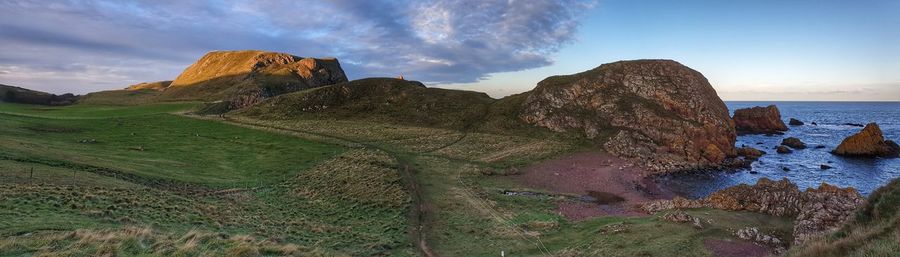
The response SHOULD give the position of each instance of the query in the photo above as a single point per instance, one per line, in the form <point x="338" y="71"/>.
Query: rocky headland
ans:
<point x="660" y="113"/>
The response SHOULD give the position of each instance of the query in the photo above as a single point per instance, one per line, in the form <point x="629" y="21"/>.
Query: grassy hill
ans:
<point x="11" y="94"/>
<point x="379" y="99"/>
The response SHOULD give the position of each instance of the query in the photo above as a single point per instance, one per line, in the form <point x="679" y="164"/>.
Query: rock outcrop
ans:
<point x="11" y="94"/>
<point x="816" y="211"/>
<point x="658" y="112"/>
<point x="795" y="122"/>
<point x="793" y="142"/>
<point x="868" y="143"/>
<point x="750" y="152"/>
<point x="759" y="120"/>
<point x="243" y="78"/>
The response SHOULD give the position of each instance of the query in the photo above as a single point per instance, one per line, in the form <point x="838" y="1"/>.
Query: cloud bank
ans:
<point x="84" y="46"/>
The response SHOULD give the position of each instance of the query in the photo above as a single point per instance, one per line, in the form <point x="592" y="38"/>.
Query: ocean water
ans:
<point x="864" y="174"/>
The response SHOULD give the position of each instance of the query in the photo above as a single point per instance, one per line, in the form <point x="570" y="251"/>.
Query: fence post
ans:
<point x="31" y="177"/>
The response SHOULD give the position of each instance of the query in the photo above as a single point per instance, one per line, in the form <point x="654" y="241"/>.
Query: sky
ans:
<point x="749" y="50"/>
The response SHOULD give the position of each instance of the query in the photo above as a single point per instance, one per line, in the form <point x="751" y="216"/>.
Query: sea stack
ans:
<point x="759" y="120"/>
<point x="660" y="113"/>
<point x="868" y="143"/>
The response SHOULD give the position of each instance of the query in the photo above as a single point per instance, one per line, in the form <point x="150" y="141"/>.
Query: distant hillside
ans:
<point x="11" y="94"/>
<point x="141" y="93"/>
<point x="380" y="99"/>
<point x="239" y="78"/>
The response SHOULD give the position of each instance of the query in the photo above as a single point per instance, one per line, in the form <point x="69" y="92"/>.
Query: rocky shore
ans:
<point x="816" y="211"/>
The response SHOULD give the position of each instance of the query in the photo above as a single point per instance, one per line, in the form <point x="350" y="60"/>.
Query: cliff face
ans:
<point x="868" y="143"/>
<point x="759" y="120"/>
<point x="244" y="78"/>
<point x="662" y="113"/>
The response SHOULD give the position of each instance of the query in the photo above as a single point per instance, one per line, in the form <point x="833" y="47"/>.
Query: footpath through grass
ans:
<point x="462" y="178"/>
<point x="143" y="181"/>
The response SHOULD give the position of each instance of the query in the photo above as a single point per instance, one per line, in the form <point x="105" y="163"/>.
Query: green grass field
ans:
<point x="147" y="181"/>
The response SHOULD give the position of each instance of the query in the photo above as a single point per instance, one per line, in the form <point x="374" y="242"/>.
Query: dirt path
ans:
<point x="611" y="186"/>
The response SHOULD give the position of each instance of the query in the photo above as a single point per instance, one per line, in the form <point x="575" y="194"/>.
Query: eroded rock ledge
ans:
<point x="817" y="211"/>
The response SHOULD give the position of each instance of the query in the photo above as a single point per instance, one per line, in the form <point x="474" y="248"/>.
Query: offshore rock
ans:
<point x="793" y="142"/>
<point x="868" y="143"/>
<point x="759" y="120"/>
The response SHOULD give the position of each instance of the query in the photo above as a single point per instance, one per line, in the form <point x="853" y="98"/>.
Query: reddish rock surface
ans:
<point x="759" y="120"/>
<point x="868" y="143"/>
<point x="660" y="113"/>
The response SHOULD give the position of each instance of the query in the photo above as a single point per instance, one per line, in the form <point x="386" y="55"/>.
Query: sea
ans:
<point x="803" y="167"/>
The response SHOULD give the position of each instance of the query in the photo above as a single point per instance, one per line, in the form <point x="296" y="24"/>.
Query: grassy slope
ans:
<point x="174" y="147"/>
<point x="274" y="187"/>
<point x="352" y="204"/>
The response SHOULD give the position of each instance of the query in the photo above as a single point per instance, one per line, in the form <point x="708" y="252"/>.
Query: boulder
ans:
<point x="759" y="120"/>
<point x="783" y="149"/>
<point x="795" y="122"/>
<point x="243" y="78"/>
<point x="750" y="152"/>
<point x="867" y="143"/>
<point x="793" y="142"/>
<point x="659" y="113"/>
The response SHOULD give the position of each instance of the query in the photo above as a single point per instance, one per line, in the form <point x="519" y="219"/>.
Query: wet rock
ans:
<point x="759" y="120"/>
<point x="824" y="167"/>
<point x="659" y="113"/>
<point x="793" y="142"/>
<point x="785" y="169"/>
<point x="819" y="146"/>
<point x="869" y="142"/>
<point x="795" y="122"/>
<point x="853" y="124"/>
<point x="783" y="149"/>
<point x="814" y="123"/>
<point x="750" y="152"/>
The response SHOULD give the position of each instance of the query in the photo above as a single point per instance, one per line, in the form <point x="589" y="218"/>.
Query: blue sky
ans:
<point x="749" y="50"/>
